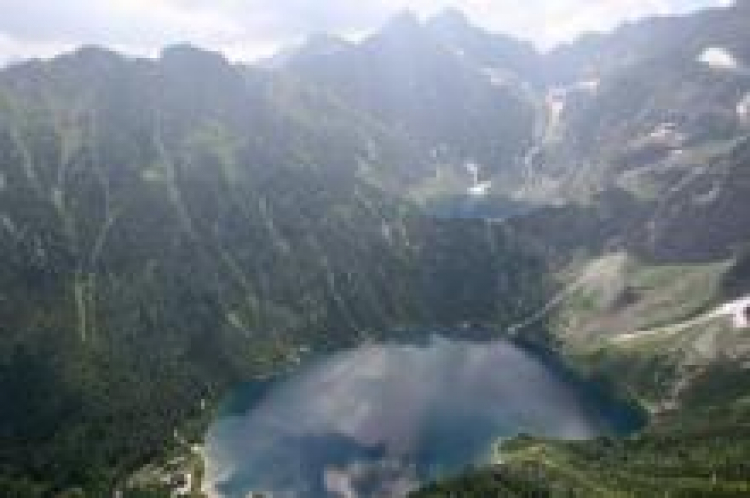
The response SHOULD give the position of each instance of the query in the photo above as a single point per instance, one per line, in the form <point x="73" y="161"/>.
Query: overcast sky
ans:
<point x="247" y="29"/>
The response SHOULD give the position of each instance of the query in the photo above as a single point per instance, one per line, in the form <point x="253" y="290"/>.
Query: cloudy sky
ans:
<point x="247" y="29"/>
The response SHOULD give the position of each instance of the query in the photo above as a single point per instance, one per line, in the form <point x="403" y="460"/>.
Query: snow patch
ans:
<point x="556" y="106"/>
<point x="739" y="310"/>
<point x="385" y="230"/>
<point x="743" y="109"/>
<point x="460" y="53"/>
<point x="473" y="169"/>
<point x="555" y="103"/>
<point x="667" y="134"/>
<point x="496" y="76"/>
<point x="7" y="223"/>
<point x="589" y="86"/>
<point x="719" y="59"/>
<point x="481" y="189"/>
<point x="478" y="188"/>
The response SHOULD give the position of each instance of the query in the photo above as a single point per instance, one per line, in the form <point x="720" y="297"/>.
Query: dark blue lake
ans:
<point x="379" y="420"/>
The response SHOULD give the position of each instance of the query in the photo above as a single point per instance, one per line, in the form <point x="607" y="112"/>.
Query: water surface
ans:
<point x="378" y="420"/>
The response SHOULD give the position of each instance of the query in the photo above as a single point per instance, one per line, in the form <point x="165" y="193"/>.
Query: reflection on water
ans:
<point x="378" y="420"/>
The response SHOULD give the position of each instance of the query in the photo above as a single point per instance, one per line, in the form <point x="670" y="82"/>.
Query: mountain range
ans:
<point x="172" y="226"/>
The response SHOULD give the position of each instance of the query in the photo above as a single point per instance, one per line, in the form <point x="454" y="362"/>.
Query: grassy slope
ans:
<point x="617" y="294"/>
<point x="693" y="376"/>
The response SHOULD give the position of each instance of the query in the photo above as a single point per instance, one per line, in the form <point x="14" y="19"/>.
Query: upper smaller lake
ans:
<point x="379" y="420"/>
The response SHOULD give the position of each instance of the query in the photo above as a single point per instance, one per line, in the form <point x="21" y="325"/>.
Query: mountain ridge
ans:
<point x="172" y="226"/>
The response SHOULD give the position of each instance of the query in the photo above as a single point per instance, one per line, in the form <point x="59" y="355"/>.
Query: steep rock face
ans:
<point x="664" y="125"/>
<point x="709" y="218"/>
<point x="514" y="59"/>
<point x="603" y="54"/>
<point x="497" y="129"/>
<point x="455" y="92"/>
<point x="171" y="226"/>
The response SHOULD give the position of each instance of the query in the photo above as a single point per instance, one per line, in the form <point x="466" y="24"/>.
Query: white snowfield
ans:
<point x="479" y="188"/>
<point x="738" y="311"/>
<point x="743" y="109"/>
<point x="722" y="60"/>
<point x="718" y="58"/>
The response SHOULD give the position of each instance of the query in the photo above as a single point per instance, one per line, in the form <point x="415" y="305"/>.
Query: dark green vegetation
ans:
<point x="701" y="450"/>
<point x="171" y="227"/>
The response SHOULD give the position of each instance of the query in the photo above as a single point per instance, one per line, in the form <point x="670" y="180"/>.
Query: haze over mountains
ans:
<point x="170" y="227"/>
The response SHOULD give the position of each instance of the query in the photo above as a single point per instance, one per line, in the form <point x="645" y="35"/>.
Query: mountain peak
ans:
<point x="187" y="54"/>
<point x="186" y="50"/>
<point x="450" y="18"/>
<point x="406" y="20"/>
<point x="89" y="57"/>
<point x="315" y="45"/>
<point x="92" y="53"/>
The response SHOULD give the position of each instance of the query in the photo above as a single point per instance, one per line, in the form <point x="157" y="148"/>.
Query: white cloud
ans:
<point x="12" y="50"/>
<point x="248" y="28"/>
